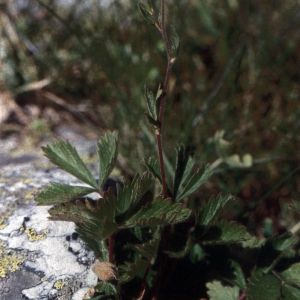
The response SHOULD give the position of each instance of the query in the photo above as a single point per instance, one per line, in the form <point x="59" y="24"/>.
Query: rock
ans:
<point x="39" y="259"/>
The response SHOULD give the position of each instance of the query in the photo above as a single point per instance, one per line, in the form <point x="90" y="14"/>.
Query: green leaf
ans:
<point x="106" y="288"/>
<point x="272" y="249"/>
<point x="295" y="206"/>
<point x="96" y="219"/>
<point x="158" y="99"/>
<point x="194" y="182"/>
<point x="107" y="152"/>
<point x="210" y="212"/>
<point x="159" y="212"/>
<point x="65" y="156"/>
<point x="175" y="44"/>
<point x="129" y="196"/>
<point x="58" y="193"/>
<point x="147" y="12"/>
<point x="151" y="120"/>
<point x="217" y="291"/>
<point x="98" y="247"/>
<point x="224" y="233"/>
<point x="148" y="250"/>
<point x="292" y="274"/>
<point x="130" y="270"/>
<point x="238" y="278"/>
<point x="182" y="159"/>
<point x="151" y="104"/>
<point x="263" y="287"/>
<point x="153" y="166"/>
<point x="290" y="293"/>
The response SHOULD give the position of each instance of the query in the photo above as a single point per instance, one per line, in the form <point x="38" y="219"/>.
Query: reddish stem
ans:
<point x="144" y="280"/>
<point x="111" y="244"/>
<point x="161" y="162"/>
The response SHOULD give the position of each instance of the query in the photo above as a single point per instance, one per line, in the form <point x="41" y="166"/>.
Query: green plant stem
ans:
<point x="158" y="133"/>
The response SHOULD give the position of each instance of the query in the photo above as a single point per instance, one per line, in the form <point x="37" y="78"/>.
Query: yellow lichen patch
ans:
<point x="2" y="247"/>
<point x="59" y="284"/>
<point x="27" y="181"/>
<point x="9" y="263"/>
<point x="45" y="230"/>
<point x="43" y="279"/>
<point x="3" y="218"/>
<point x="33" y="235"/>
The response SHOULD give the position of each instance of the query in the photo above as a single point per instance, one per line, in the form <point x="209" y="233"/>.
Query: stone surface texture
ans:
<point x="39" y="259"/>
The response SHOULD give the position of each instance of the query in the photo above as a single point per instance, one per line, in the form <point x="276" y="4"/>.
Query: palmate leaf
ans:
<point x="295" y="206"/>
<point x="290" y="293"/>
<point x="95" y="219"/>
<point x="292" y="274"/>
<point x="106" y="289"/>
<point x="224" y="233"/>
<point x="98" y="247"/>
<point x="272" y="248"/>
<point x="236" y="277"/>
<point x="217" y="291"/>
<point x="185" y="182"/>
<point x="194" y="181"/>
<point x="107" y="152"/>
<point x="263" y="287"/>
<point x="159" y="212"/>
<point x="181" y="162"/>
<point x="129" y="196"/>
<point x="65" y="156"/>
<point x="58" y="193"/>
<point x="130" y="270"/>
<point x="210" y="211"/>
<point x="148" y="250"/>
<point x="153" y="166"/>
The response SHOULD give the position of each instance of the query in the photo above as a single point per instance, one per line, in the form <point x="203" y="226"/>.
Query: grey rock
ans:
<point x="39" y="259"/>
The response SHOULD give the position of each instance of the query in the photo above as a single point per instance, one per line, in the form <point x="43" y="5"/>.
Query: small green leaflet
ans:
<point x="65" y="156"/>
<point x="159" y="212"/>
<point x="58" y="193"/>
<point x="130" y="270"/>
<point x="175" y="44"/>
<point x="262" y="286"/>
<point x="148" y="250"/>
<point x="107" y="152"/>
<point x="209" y="212"/>
<point x="292" y="274"/>
<point x="224" y="233"/>
<point x="217" y="291"/>
<point x="146" y="12"/>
